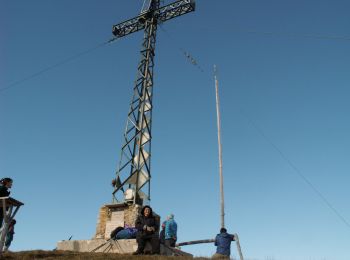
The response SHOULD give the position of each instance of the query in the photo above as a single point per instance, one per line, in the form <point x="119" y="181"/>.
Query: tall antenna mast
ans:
<point x="222" y="203"/>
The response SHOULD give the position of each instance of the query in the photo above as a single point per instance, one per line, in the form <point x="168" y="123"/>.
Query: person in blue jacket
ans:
<point x="170" y="231"/>
<point x="223" y="244"/>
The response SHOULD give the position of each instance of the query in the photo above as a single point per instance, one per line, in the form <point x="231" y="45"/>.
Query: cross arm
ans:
<point x="127" y="27"/>
<point x="162" y="14"/>
<point x="175" y="9"/>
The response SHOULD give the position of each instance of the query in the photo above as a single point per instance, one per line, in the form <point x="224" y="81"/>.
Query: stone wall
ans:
<point x="117" y="215"/>
<point x="113" y="216"/>
<point x="130" y="215"/>
<point x="125" y="246"/>
<point x="110" y="217"/>
<point x="101" y="222"/>
<point x="115" y="219"/>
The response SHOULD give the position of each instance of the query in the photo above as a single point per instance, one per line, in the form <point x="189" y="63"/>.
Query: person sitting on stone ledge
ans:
<point x="123" y="233"/>
<point x="147" y="230"/>
<point x="115" y="232"/>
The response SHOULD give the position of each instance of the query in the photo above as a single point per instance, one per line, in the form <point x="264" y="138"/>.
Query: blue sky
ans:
<point x="284" y="85"/>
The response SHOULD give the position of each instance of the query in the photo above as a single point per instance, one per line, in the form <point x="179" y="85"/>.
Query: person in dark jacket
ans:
<point x="5" y="185"/>
<point x="162" y="234"/>
<point x="223" y="244"/>
<point x="147" y="230"/>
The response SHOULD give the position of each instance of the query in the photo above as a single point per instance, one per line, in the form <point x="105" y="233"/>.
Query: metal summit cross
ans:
<point x="132" y="182"/>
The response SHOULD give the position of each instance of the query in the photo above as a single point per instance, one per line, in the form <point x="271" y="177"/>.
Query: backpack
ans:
<point x="115" y="232"/>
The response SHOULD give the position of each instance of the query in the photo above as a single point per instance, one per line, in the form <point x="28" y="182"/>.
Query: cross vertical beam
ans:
<point x="132" y="182"/>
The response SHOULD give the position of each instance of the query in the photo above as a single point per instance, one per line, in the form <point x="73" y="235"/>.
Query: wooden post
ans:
<point x="220" y="150"/>
<point x="195" y="242"/>
<point x="238" y="247"/>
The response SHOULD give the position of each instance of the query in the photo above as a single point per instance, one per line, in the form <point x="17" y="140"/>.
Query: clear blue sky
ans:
<point x="281" y="93"/>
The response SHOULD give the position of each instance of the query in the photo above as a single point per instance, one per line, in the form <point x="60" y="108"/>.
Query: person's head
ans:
<point x="223" y="230"/>
<point x="163" y="225"/>
<point x="147" y="211"/>
<point x="13" y="222"/>
<point x="7" y="182"/>
<point x="170" y="216"/>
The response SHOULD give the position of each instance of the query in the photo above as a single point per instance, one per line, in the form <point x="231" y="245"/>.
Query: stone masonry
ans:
<point x="113" y="216"/>
<point x="110" y="217"/>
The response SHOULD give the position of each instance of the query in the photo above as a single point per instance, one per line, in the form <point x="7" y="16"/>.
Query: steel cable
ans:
<point x="60" y="63"/>
<point x="272" y="144"/>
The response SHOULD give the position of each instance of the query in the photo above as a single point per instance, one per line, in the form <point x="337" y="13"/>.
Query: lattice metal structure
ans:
<point x="132" y="182"/>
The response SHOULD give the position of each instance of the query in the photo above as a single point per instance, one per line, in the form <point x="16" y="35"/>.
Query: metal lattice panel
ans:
<point x="134" y="170"/>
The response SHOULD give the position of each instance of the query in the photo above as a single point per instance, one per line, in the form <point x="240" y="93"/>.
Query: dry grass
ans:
<point x="39" y="254"/>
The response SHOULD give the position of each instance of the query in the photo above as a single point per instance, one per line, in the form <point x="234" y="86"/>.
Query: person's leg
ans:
<point x="1" y="217"/>
<point x="172" y="242"/>
<point x="8" y="240"/>
<point x="220" y="256"/>
<point x="141" y="241"/>
<point x="167" y="242"/>
<point x="155" y="245"/>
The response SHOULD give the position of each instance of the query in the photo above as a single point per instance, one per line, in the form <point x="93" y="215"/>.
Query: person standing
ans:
<point x="147" y="230"/>
<point x="5" y="185"/>
<point x="9" y="235"/>
<point x="162" y="234"/>
<point x="170" y="231"/>
<point x="223" y="244"/>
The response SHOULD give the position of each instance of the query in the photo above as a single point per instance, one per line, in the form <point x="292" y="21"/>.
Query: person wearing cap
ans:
<point x="223" y="244"/>
<point x="170" y="231"/>
<point x="147" y="230"/>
